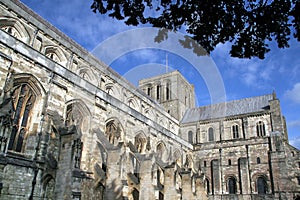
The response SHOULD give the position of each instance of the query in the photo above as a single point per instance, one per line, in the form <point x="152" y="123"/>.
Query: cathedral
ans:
<point x="73" y="128"/>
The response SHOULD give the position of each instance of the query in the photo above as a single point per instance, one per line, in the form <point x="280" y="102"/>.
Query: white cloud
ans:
<point x="294" y="94"/>
<point x="295" y="123"/>
<point x="295" y="142"/>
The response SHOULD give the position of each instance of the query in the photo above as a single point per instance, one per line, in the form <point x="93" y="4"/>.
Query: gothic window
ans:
<point x="77" y="151"/>
<point x="235" y="131"/>
<point x="190" y="137"/>
<point x="260" y="129"/>
<point x="210" y="134"/>
<point x="160" y="150"/>
<point x="12" y="31"/>
<point x="23" y="100"/>
<point x="49" y="189"/>
<point x="298" y="180"/>
<point x="113" y="132"/>
<point x="262" y="186"/>
<point x="140" y="143"/>
<point x="74" y="115"/>
<point x="204" y="163"/>
<point x="258" y="160"/>
<point x="52" y="55"/>
<point x="231" y="185"/>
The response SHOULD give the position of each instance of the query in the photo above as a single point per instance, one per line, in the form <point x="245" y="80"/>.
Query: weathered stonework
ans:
<point x="72" y="128"/>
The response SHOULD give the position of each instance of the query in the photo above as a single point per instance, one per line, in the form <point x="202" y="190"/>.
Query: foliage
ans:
<point x="248" y="24"/>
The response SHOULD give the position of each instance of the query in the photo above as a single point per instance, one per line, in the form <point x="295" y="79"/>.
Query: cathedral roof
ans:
<point x="227" y="109"/>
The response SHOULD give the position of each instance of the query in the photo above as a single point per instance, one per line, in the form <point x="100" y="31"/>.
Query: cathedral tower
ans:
<point x="172" y="91"/>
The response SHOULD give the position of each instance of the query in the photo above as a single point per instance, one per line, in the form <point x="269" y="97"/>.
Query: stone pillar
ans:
<point x="169" y="184"/>
<point x="114" y="187"/>
<point x="146" y="188"/>
<point x="244" y="181"/>
<point x="187" y="193"/>
<point x="200" y="189"/>
<point x="216" y="177"/>
<point x="63" y="183"/>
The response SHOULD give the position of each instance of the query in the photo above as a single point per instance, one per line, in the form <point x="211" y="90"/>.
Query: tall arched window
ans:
<point x="235" y="131"/>
<point x="231" y="185"/>
<point x="262" y="186"/>
<point x="168" y="91"/>
<point x="211" y="134"/>
<point x="190" y="137"/>
<point x="23" y="100"/>
<point x="260" y="129"/>
<point x="113" y="132"/>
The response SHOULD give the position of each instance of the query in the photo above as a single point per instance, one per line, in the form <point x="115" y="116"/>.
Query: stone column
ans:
<point x="63" y="183"/>
<point x="187" y="193"/>
<point x="244" y="181"/>
<point x="114" y="187"/>
<point x="169" y="184"/>
<point x="200" y="189"/>
<point x="146" y="188"/>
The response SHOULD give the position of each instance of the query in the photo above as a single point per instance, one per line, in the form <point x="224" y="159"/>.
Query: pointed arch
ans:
<point x="78" y="114"/>
<point x="86" y="73"/>
<point x="161" y="151"/>
<point x="55" y="54"/>
<point x="114" y="131"/>
<point x="26" y="92"/>
<point x="177" y="157"/>
<point x="48" y="187"/>
<point x="140" y="142"/>
<point x="15" y="28"/>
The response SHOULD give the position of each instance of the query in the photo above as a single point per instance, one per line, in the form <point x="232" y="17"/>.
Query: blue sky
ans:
<point x="279" y="71"/>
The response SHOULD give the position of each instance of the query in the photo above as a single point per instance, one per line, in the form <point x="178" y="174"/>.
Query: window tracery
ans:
<point x="113" y="132"/>
<point x="23" y="101"/>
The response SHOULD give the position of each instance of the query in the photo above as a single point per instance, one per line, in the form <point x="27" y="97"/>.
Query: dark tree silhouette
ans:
<point x="248" y="24"/>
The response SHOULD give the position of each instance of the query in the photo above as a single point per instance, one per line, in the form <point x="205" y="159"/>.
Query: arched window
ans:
<point x="229" y="162"/>
<point x="113" y="132"/>
<point x="260" y="129"/>
<point x="158" y="92"/>
<point x="235" y="131"/>
<point x="262" y="186"/>
<point x="140" y="142"/>
<point x="168" y="91"/>
<point x="210" y="134"/>
<point x="23" y="100"/>
<point x="190" y="137"/>
<point x="50" y="53"/>
<point x="258" y="160"/>
<point x="231" y="185"/>
<point x="12" y="31"/>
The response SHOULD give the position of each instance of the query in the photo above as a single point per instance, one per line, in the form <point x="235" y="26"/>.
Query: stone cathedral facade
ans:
<point x="72" y="128"/>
